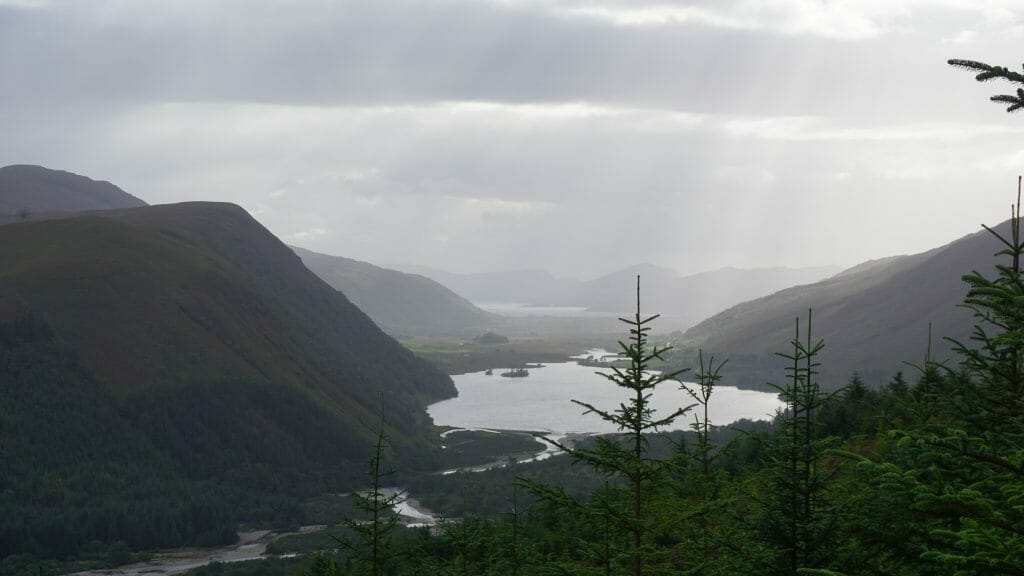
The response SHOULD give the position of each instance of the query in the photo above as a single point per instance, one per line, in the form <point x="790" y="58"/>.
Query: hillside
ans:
<point x="400" y="303"/>
<point x="686" y="300"/>
<point x="76" y="475"/>
<point x="873" y="317"/>
<point x="223" y="355"/>
<point x="28" y="191"/>
<point x="515" y="286"/>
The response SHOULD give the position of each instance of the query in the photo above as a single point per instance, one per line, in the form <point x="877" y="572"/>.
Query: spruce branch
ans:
<point x="986" y="72"/>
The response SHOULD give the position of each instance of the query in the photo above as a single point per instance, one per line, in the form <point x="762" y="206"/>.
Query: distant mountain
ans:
<point x="27" y="190"/>
<point x="515" y="286"/>
<point x="400" y="303"/>
<point x="683" y="300"/>
<point x="873" y="317"/>
<point x="210" y="349"/>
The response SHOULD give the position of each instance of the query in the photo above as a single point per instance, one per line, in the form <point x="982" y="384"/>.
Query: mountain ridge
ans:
<point x="873" y="317"/>
<point x="169" y="304"/>
<point x="188" y="349"/>
<point x="26" y="190"/>
<point x="401" y="303"/>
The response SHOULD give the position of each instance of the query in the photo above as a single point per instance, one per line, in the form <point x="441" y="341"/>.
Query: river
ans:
<point x="250" y="546"/>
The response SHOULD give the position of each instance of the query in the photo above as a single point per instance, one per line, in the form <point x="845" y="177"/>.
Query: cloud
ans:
<point x="306" y="236"/>
<point x="26" y="4"/>
<point x="473" y="134"/>
<point x="1005" y="161"/>
<point x="840" y="20"/>
<point x="403" y="52"/>
<point x="491" y="207"/>
<point x="961" y="37"/>
<point x="1014" y="32"/>
<point x="806" y="128"/>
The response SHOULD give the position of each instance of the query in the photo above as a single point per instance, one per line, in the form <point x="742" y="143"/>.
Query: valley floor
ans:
<point x="252" y="545"/>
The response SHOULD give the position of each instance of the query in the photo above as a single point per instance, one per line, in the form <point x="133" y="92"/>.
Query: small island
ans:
<point x="516" y="373"/>
<point x="602" y="361"/>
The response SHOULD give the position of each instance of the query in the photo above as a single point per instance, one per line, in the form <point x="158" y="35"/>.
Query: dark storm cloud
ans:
<point x="379" y="53"/>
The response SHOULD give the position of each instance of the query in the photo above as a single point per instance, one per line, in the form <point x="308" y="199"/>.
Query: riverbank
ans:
<point x="473" y="448"/>
<point x="252" y="545"/>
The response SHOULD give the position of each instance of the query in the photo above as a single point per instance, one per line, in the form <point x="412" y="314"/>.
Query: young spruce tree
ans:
<point x="627" y="457"/>
<point x="967" y="464"/>
<point x="372" y="533"/>
<point x="800" y="519"/>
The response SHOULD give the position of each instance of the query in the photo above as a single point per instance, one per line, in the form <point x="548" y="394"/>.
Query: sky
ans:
<point x="576" y="136"/>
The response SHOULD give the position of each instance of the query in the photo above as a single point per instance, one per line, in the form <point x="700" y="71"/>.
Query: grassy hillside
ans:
<point x="873" y="317"/>
<point x="209" y="342"/>
<point x="400" y="303"/>
<point x="32" y="190"/>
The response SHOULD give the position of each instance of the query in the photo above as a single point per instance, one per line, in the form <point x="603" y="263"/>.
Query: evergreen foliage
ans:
<point x="704" y="453"/>
<point x="626" y="458"/>
<point x="988" y="72"/>
<point x="966" y="461"/>
<point x="75" y="482"/>
<point x="374" y="529"/>
<point x="799" y="517"/>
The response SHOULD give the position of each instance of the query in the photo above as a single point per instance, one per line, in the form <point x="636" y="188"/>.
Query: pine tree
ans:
<point x="800" y="519"/>
<point x="976" y="452"/>
<point x="698" y="481"/>
<point x="707" y="378"/>
<point x="373" y="532"/>
<point x="627" y="457"/>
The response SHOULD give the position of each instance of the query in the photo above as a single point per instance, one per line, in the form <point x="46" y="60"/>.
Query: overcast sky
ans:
<point x="579" y="136"/>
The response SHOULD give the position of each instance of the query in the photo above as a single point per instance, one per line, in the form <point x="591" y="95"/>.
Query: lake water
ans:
<point x="543" y="401"/>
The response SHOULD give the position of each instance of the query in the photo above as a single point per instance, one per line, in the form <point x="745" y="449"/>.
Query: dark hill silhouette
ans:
<point x="221" y="348"/>
<point x="27" y="191"/>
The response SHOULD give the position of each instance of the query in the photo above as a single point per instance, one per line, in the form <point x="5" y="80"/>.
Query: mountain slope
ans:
<point x="685" y="300"/>
<point x="33" y="190"/>
<point x="220" y="347"/>
<point x="873" y="317"/>
<point x="516" y="286"/>
<point x="399" y="303"/>
<point x="74" y="472"/>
